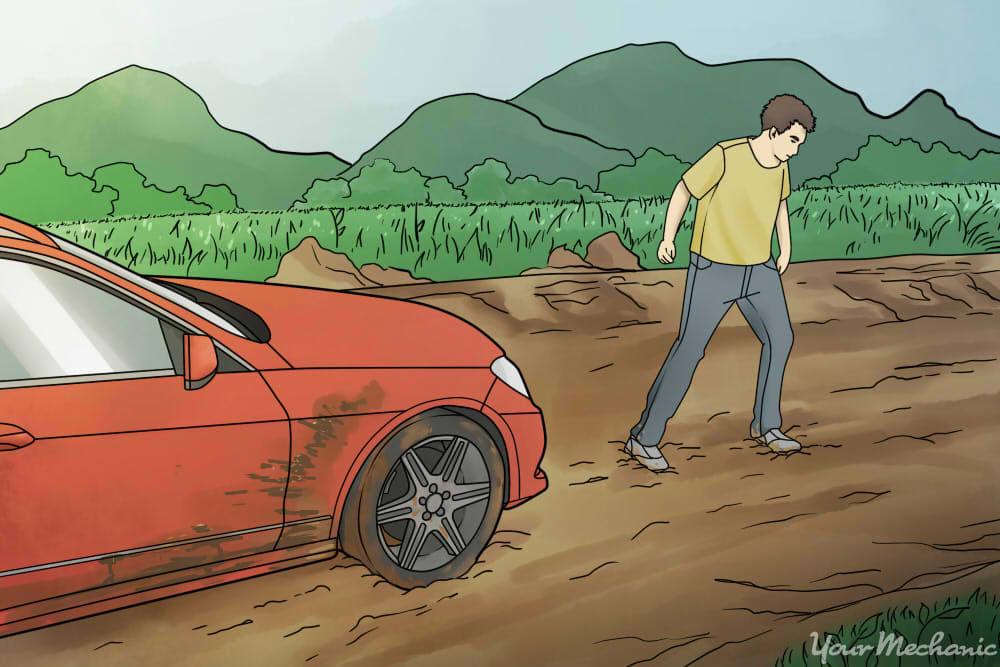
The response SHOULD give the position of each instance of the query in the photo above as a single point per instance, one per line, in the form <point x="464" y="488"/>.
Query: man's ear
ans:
<point x="772" y="133"/>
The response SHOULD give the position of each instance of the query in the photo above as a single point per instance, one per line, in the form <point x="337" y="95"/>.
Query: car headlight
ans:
<point x="507" y="372"/>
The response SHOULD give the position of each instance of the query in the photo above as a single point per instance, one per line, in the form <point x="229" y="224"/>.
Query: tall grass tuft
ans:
<point x="970" y="621"/>
<point x="467" y="241"/>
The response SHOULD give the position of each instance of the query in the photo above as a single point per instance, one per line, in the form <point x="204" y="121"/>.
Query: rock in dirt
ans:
<point x="311" y="265"/>
<point x="607" y="252"/>
<point x="562" y="259"/>
<point x="389" y="276"/>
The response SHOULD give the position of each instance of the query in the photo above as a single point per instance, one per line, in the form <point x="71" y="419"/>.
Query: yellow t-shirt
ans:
<point x="737" y="203"/>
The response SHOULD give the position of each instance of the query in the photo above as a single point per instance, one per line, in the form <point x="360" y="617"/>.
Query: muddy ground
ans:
<point x="892" y="385"/>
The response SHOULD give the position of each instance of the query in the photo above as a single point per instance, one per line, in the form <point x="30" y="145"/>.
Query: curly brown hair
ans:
<point x="781" y="111"/>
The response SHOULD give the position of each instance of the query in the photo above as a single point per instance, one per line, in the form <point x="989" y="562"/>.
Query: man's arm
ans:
<point x="696" y="182"/>
<point x="675" y="211"/>
<point x="784" y="237"/>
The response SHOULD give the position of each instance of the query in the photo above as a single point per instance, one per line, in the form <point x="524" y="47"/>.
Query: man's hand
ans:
<point x="784" y="238"/>
<point x="665" y="252"/>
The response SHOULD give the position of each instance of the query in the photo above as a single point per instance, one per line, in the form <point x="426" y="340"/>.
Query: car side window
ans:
<point x="174" y="339"/>
<point x="54" y="325"/>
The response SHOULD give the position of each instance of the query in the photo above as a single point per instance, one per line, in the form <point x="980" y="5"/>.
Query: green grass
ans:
<point x="453" y="242"/>
<point x="963" y="621"/>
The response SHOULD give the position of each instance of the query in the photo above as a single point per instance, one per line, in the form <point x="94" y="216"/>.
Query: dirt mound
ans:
<point x="561" y="260"/>
<point x="311" y="265"/>
<point x="390" y="276"/>
<point x="607" y="252"/>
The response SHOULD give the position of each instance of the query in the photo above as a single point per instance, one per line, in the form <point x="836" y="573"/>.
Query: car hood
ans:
<point x="313" y="327"/>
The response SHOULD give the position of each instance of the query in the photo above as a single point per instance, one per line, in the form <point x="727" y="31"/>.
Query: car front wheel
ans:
<point x="427" y="501"/>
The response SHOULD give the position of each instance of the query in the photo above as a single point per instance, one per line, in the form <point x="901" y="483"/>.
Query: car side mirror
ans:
<point x="200" y="361"/>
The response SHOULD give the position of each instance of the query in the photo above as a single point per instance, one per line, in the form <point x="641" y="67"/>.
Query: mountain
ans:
<point x="589" y="117"/>
<point x="449" y="135"/>
<point x="928" y="118"/>
<point x="155" y="122"/>
<point x="653" y="95"/>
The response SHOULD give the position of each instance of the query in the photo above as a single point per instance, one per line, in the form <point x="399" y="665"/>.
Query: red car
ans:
<point x="163" y="435"/>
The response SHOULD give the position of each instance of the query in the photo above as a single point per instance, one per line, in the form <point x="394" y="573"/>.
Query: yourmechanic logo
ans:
<point x="896" y="645"/>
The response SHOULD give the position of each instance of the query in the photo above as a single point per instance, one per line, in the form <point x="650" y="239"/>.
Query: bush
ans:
<point x="882" y="162"/>
<point x="652" y="174"/>
<point x="136" y="196"/>
<point x="38" y="188"/>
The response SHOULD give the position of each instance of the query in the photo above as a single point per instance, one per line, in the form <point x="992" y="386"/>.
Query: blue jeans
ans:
<point x="709" y="292"/>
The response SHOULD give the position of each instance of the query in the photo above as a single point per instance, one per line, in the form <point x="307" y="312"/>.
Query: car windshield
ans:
<point x="145" y="283"/>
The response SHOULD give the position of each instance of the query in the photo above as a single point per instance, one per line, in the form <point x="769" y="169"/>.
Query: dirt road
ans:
<point x="892" y="384"/>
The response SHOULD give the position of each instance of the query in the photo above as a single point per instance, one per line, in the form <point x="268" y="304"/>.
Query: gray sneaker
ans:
<point x="647" y="456"/>
<point x="778" y="442"/>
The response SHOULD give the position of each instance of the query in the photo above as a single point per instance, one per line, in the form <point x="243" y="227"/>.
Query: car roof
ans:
<point x="12" y="228"/>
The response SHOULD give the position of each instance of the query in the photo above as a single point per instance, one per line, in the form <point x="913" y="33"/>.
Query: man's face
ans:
<point x="786" y="144"/>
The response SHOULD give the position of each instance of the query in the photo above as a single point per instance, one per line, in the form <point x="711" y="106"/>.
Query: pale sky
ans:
<point x="337" y="75"/>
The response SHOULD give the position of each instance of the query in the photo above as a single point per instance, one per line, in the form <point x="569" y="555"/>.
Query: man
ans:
<point x="741" y="186"/>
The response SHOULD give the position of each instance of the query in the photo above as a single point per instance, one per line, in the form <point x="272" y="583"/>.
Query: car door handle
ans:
<point x="14" y="437"/>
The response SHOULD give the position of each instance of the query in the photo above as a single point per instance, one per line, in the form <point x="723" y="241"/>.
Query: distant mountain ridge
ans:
<point x="585" y="119"/>
<point x="653" y="95"/>
<point x="449" y="135"/>
<point x="164" y="128"/>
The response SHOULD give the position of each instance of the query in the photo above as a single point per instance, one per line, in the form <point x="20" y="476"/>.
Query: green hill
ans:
<point x="583" y="122"/>
<point x="928" y="118"/>
<point x="155" y="122"/>
<point x="641" y="96"/>
<point x="447" y="136"/>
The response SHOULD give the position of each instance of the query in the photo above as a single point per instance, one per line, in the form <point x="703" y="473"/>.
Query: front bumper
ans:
<point x="526" y="445"/>
<point x="529" y="439"/>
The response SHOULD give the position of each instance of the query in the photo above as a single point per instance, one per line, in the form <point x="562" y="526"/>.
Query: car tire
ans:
<point x="426" y="502"/>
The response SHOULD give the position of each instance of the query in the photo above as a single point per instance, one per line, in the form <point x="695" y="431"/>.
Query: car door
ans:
<point x="109" y="469"/>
